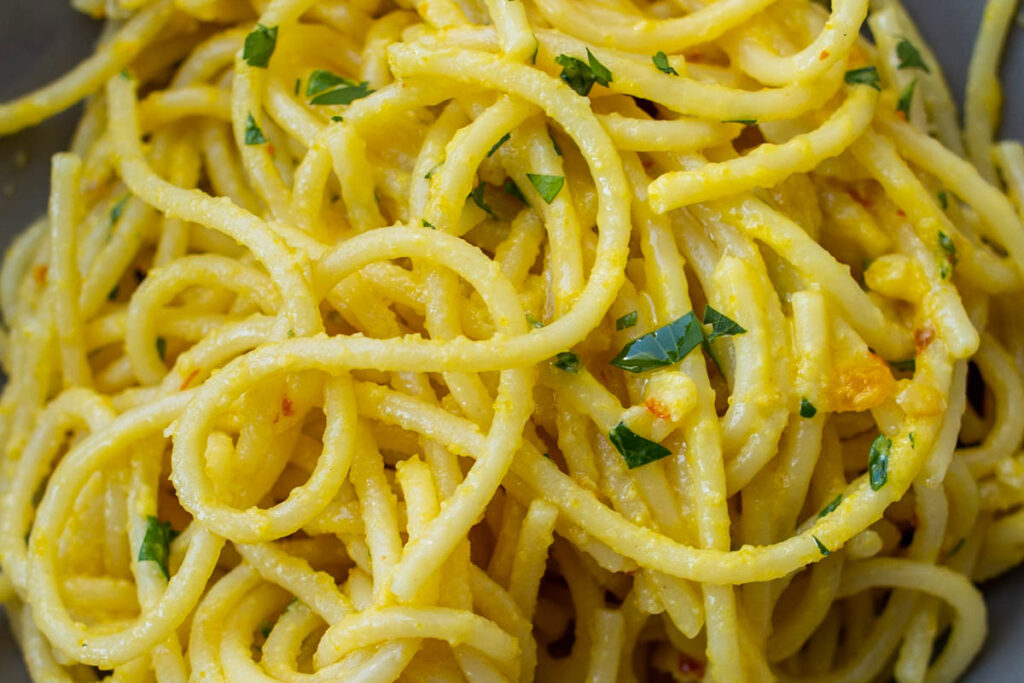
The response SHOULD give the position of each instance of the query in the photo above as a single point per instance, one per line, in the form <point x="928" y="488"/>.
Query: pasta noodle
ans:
<point x="511" y="340"/>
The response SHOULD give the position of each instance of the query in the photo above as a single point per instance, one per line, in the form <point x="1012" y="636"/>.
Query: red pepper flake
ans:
<point x="923" y="337"/>
<point x="286" y="406"/>
<point x="824" y="55"/>
<point x="901" y="213"/>
<point x="39" y="274"/>
<point x="270" y="148"/>
<point x="657" y="408"/>
<point x="188" y="380"/>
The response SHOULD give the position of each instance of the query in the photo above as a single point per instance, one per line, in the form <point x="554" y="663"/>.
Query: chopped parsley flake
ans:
<point x="118" y="209"/>
<point x="807" y="408"/>
<point x="156" y="542"/>
<point x="831" y="507"/>
<point x="906" y="97"/>
<point x="865" y="76"/>
<point x="878" y="462"/>
<point x="721" y="324"/>
<point x="499" y="143"/>
<point x="321" y="80"/>
<point x="663" y="347"/>
<point x="511" y="188"/>
<point x="635" y="449"/>
<point x="253" y="134"/>
<point x="344" y="95"/>
<point x="821" y="547"/>
<point x="626" y="321"/>
<point x="554" y="143"/>
<point x="580" y="75"/>
<point x="568" y="361"/>
<point x="660" y="60"/>
<point x="547" y="186"/>
<point x="477" y="195"/>
<point x="259" y="45"/>
<point x="909" y="57"/>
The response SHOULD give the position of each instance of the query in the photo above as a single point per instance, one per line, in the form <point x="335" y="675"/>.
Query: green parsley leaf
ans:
<point x="909" y="57"/>
<point x="908" y="365"/>
<point x="259" y="45"/>
<point x="947" y="245"/>
<point x="807" y="408"/>
<point x="113" y="293"/>
<point x="499" y="143"/>
<point x="635" y="449"/>
<point x="125" y="75"/>
<point x="253" y="134"/>
<point x="906" y="97"/>
<point x="660" y="60"/>
<point x="156" y="542"/>
<point x="721" y="324"/>
<point x="663" y="347"/>
<point x="547" y="186"/>
<point x="532" y="321"/>
<point x="943" y="200"/>
<point x="576" y="74"/>
<point x="118" y="209"/>
<point x="536" y="49"/>
<point x="957" y="548"/>
<point x="337" y="119"/>
<point x="626" y="321"/>
<point x="554" y="143"/>
<point x="745" y="122"/>
<point x="161" y="347"/>
<point x="865" y="76"/>
<point x="581" y="75"/>
<point x="878" y="461"/>
<point x="431" y="172"/>
<point x="568" y="361"/>
<point x="265" y="630"/>
<point x="298" y="85"/>
<point x="477" y="195"/>
<point x="321" y="80"/>
<point x="428" y="224"/>
<point x="291" y="333"/>
<point x="913" y="439"/>
<point x="511" y="188"/>
<point x="821" y="547"/>
<point x="831" y="507"/>
<point x="601" y="73"/>
<point x="344" y="95"/>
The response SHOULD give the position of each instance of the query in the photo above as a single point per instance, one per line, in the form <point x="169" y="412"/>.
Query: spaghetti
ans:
<point x="513" y="340"/>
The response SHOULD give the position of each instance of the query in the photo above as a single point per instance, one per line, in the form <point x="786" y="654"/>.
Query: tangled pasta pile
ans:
<point x="512" y="339"/>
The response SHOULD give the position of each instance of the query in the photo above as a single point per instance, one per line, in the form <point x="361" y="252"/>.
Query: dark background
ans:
<point x="40" y="39"/>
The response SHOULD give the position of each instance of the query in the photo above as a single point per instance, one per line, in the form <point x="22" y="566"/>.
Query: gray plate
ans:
<point x="40" y="39"/>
